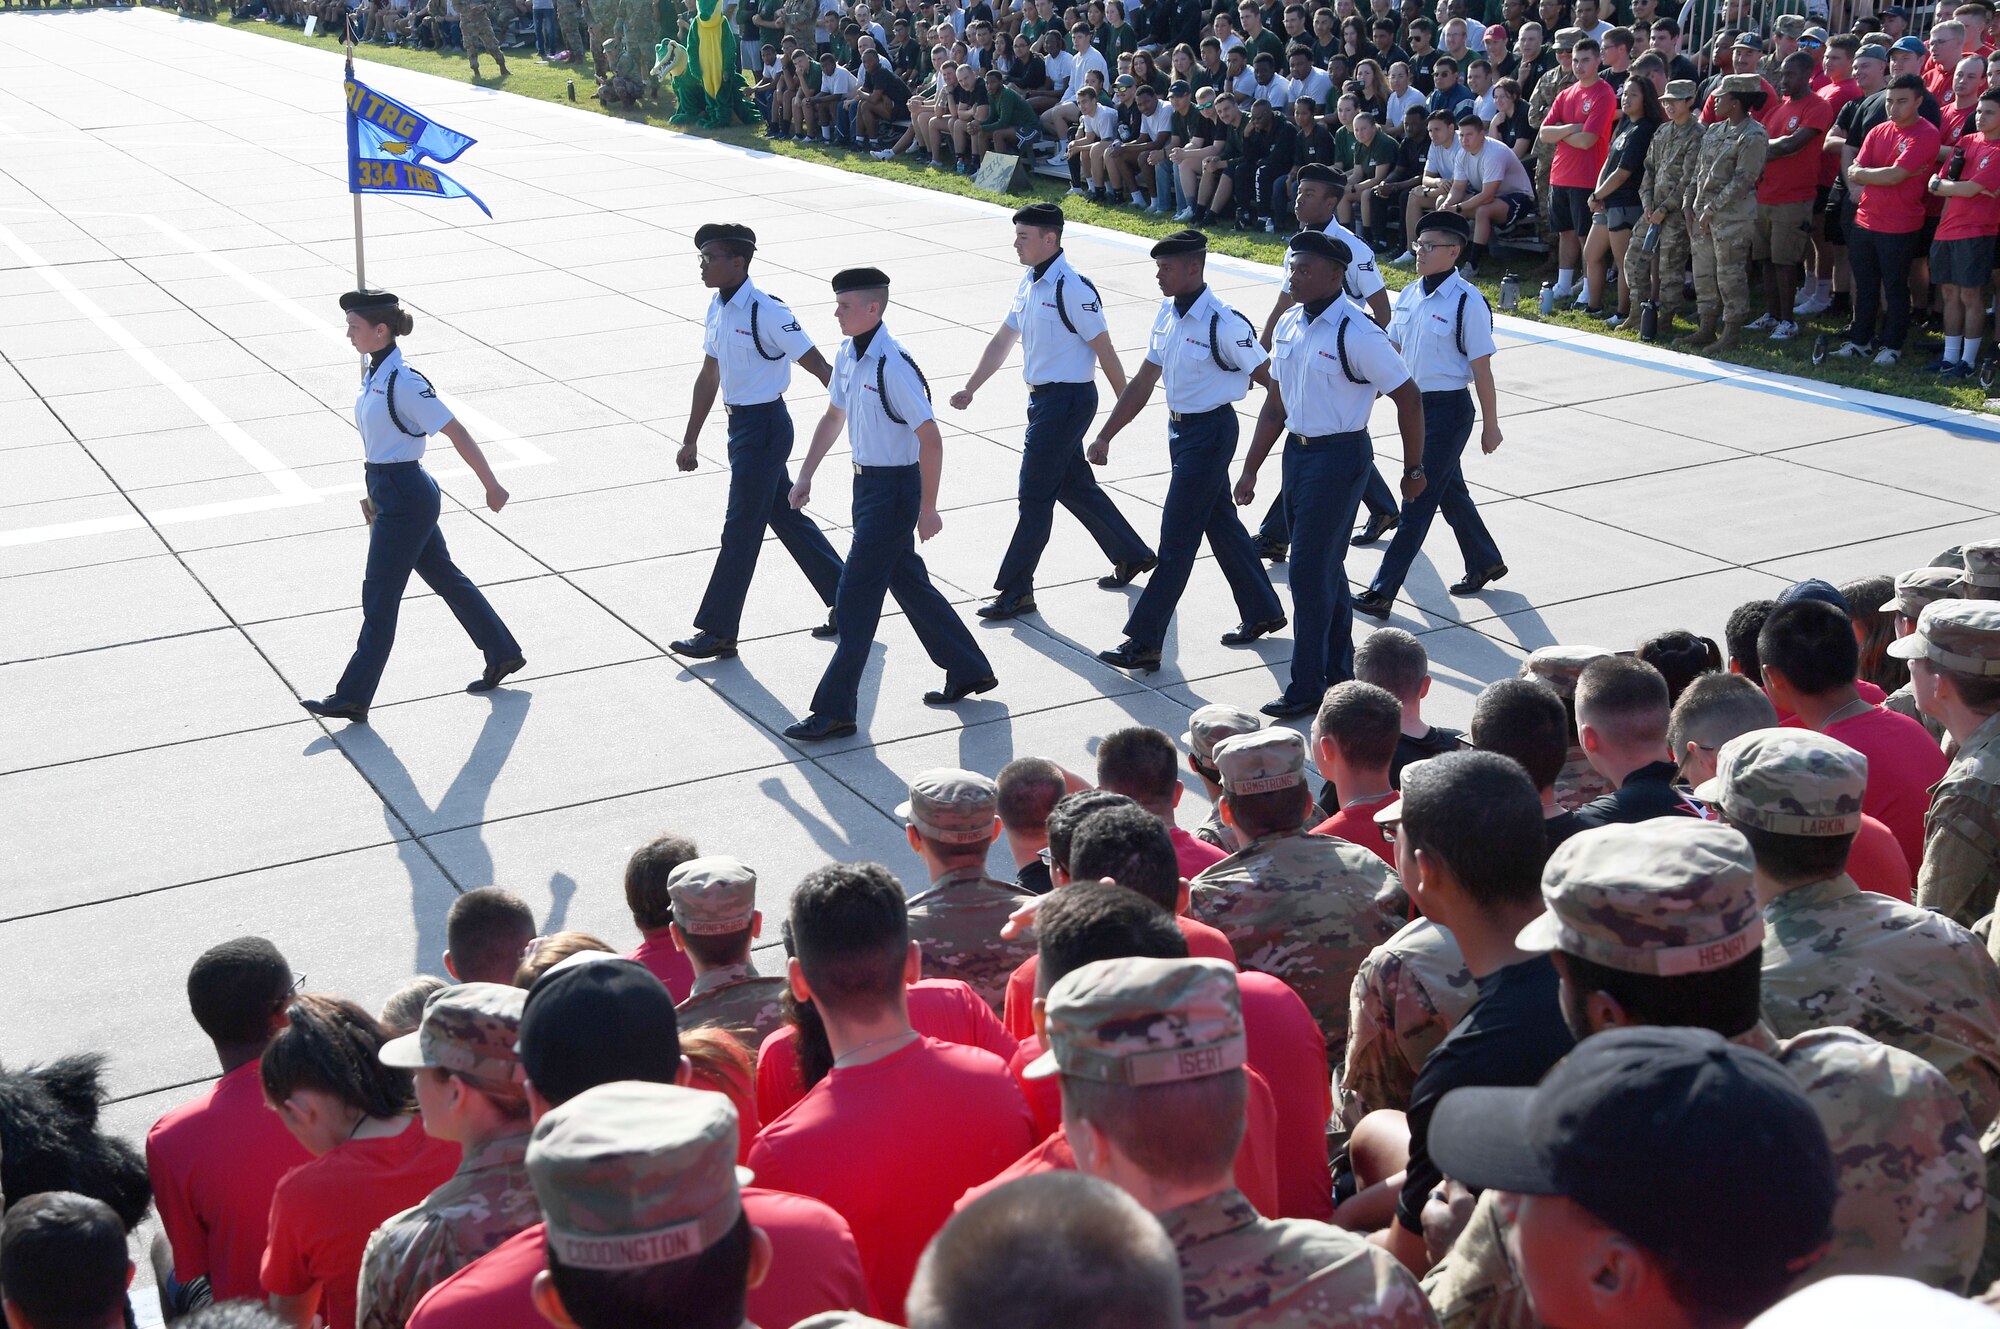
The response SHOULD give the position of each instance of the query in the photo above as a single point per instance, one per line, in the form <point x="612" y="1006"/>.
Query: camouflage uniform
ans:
<point x="569" y="21"/>
<point x="957" y="924"/>
<point x="1408" y="994"/>
<point x="715" y="896"/>
<point x="798" y="16"/>
<point x="1721" y="203"/>
<point x="1669" y="162"/>
<point x="736" y="998"/>
<point x="1960" y="874"/>
<point x="1213" y="724"/>
<point x="1560" y="667"/>
<point x="475" y="32"/>
<point x="469" y="1030"/>
<point x="1914" y="590"/>
<point x="1540" y="100"/>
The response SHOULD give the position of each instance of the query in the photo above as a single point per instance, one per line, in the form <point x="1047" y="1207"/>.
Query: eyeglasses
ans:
<point x="1047" y="856"/>
<point x="1426" y="246"/>
<point x="1391" y="830"/>
<point x="298" y="985"/>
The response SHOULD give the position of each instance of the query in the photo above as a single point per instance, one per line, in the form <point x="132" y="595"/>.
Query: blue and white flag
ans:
<point x="388" y="145"/>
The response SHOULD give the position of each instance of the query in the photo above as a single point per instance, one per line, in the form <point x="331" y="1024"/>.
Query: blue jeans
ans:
<point x="843" y="121"/>
<point x="548" y="37"/>
<point x="404" y="539"/>
<point x="883" y="561"/>
<point x="1277" y="524"/>
<point x="1447" y="426"/>
<point x="1053" y="470"/>
<point x="1324" y="478"/>
<point x="760" y="487"/>
<point x="1167" y="186"/>
<point x="1199" y="504"/>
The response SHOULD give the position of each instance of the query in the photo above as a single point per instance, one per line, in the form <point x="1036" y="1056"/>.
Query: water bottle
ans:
<point x="1956" y="170"/>
<point x="1651" y="243"/>
<point x="1548" y="298"/>
<point x="572" y="89"/>
<point x="1649" y="319"/>
<point x="1510" y="293"/>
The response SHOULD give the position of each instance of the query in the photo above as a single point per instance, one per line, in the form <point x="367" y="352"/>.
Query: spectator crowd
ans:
<point x="1664" y="993"/>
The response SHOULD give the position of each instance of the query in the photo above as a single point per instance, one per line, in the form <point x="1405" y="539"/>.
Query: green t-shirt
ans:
<point x="1265" y="40"/>
<point x="1115" y="41"/>
<point x="1349" y="152"/>
<point x="1010" y="110"/>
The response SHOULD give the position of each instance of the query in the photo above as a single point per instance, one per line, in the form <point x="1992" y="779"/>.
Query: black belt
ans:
<point x="1179" y="417"/>
<point x="1345" y="436"/>
<point x="859" y="469"/>
<point x="1447" y="392"/>
<point x="754" y="406"/>
<point x="389" y="465"/>
<point x="1033" y="388"/>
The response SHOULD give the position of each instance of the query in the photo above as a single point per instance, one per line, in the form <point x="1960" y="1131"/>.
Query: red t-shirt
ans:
<point x="1795" y="178"/>
<point x="892" y="1144"/>
<point x="669" y="965"/>
<point x="1594" y="107"/>
<point x="1193" y="854"/>
<point x="1897" y="209"/>
<point x="1017" y="1011"/>
<point x="1835" y="95"/>
<point x="215" y="1163"/>
<point x="814" y="1268"/>
<point x="1289" y="1051"/>
<point x="324" y="1211"/>
<point x="1938" y="79"/>
<point x="1877" y="864"/>
<point x="1904" y="761"/>
<point x="945" y="1008"/>
<point x="1971" y="218"/>
<point x="1357" y="825"/>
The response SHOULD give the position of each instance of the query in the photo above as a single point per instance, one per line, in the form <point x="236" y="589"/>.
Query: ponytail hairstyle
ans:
<point x="809" y="1042"/>
<point x="1681" y="657"/>
<point x="332" y="1045"/>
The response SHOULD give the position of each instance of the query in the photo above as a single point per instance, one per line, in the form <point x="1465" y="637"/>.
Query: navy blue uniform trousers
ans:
<point x="403" y="539"/>
<point x="883" y="560"/>
<point x="1324" y="480"/>
<point x="1447" y="427"/>
<point x="1054" y="470"/>
<point x="1199" y="504"/>
<point x="1277" y="524"/>
<point x="760" y="488"/>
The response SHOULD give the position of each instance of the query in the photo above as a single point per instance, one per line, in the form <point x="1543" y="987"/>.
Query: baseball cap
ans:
<point x="1127" y="81"/>
<point x="1667" y="897"/>
<point x="1814" y="36"/>
<point x="1179" y="88"/>
<point x="1919" y="587"/>
<point x="713" y="895"/>
<point x="1749" y="41"/>
<point x="1982" y="567"/>
<point x="1260" y="763"/>
<point x="1788" y="782"/>
<point x="1873" y="51"/>
<point x="596" y="1023"/>
<point x="1910" y="45"/>
<point x="1655" y="1131"/>
<point x="1141" y="1021"/>
<point x="470" y="1030"/>
<point x="1212" y="724"/>
<point x="1867" y="1301"/>
<point x="1960" y="635"/>
<point x="1561" y="666"/>
<point x="952" y="806"/>
<point x="1812" y="588"/>
<point x="633" y="1175"/>
<point x="1896" y="11"/>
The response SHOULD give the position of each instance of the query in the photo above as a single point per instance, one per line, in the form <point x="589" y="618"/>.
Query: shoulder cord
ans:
<point x="1340" y="346"/>
<point x="1215" y="345"/>
<point x="756" y="339"/>
<point x="882" y="384"/>
<point x="1063" y="313"/>
<point x="389" y="396"/>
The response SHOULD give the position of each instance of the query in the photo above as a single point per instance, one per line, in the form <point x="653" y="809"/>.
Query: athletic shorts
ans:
<point x="1569" y="208"/>
<point x="1926" y="235"/>
<point x="1967" y="263"/>
<point x="1616" y="217"/>
<point x="1781" y="232"/>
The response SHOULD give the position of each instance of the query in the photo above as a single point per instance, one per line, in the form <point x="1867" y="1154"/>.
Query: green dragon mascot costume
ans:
<point x="705" y="75"/>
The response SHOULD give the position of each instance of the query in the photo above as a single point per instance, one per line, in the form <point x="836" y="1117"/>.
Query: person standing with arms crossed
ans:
<point x="1209" y="356"/>
<point x="396" y="412"/>
<point x="1058" y="317"/>
<point x="880" y="396"/>
<point x="1331" y="362"/>
<point x="749" y="340"/>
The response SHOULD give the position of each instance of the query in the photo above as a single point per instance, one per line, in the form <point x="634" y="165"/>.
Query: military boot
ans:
<point x="1702" y="336"/>
<point x="1732" y="336"/>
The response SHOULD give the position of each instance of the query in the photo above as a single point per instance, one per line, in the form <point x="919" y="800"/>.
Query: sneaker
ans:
<point x="1186" y="214"/>
<point x="1616" y="321"/>
<point x="1139" y="200"/>
<point x="1405" y="259"/>
<point x="1887" y="356"/>
<point x="1784" y="331"/>
<point x="1560" y="292"/>
<point x="1848" y="350"/>
<point x="1761" y="323"/>
<point x="1938" y="364"/>
<point x="800" y="138"/>
<point x="1079" y="189"/>
<point x="1812" y="308"/>
<point x="883" y="154"/>
<point x="1955" y="373"/>
<point x="1270" y="226"/>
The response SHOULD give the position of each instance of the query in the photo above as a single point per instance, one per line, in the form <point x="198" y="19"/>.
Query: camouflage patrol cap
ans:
<point x="713" y="895"/>
<point x="632" y="1174"/>
<point x="1561" y="666"/>
<point x="1790" y="25"/>
<point x="1981" y="579"/>
<point x="470" y="1030"/>
<point x="1788" y="782"/>
<point x="1567" y="38"/>
<point x="1212" y="724"/>
<point x="1919" y="587"/>
<point x="1667" y="897"/>
<point x="1142" y="1021"/>
<point x="952" y="806"/>
<point x="1259" y="763"/>
<point x="1680" y="90"/>
<point x="1962" y="636"/>
<point x="1740" y="85"/>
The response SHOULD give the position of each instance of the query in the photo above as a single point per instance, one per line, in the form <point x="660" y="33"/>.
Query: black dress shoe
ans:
<point x="1121" y="574"/>
<point x="1131" y="655"/>
<point x="1272" y="551"/>
<point x="1374" y="604"/>
<point x="828" y="628"/>
<point x="1379" y="525"/>
<point x="1245" y="633"/>
<point x="704" y="646"/>
<point x="960" y="691"/>
<point x="1007" y="606"/>
<point x="1473" y="585"/>
<point x="1282" y="709"/>
<point x="818" y="728"/>
<point x="332" y="708"/>
<point x="490" y="680"/>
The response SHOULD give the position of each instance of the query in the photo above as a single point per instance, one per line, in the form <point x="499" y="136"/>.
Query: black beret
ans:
<point x="354" y="300"/>
<point x="860" y="279"/>
<point x="1181" y="242"/>
<point x="1451" y="223"/>
<point x="1318" y="173"/>
<point x="1321" y="245"/>
<point x="1045" y="215"/>
<point x="738" y="237"/>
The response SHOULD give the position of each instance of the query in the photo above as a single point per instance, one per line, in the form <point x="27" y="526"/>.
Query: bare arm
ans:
<point x="1795" y="141"/>
<point x="815" y="364"/>
<point x="1378" y="309"/>
<point x="1407" y="1246"/>
<point x="1107" y="359"/>
<point x="930" y="460"/>
<point x="1138" y="391"/>
<point x="468" y="451"/>
<point x="1270" y="424"/>
<point x="705" y="384"/>
<point x="997" y="349"/>
<point x="1410" y="424"/>
<point x="297" y="1310"/>
<point x="1489" y="405"/>
<point x="825" y="434"/>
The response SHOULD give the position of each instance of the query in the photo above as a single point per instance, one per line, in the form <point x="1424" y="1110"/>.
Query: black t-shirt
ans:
<point x="1029" y="75"/>
<point x="1420" y="71"/>
<point x="1410" y="751"/>
<point x="1509" y="1039"/>
<point x="883" y="80"/>
<point x="1647" y="793"/>
<point x="1559" y="828"/>
<point x="1519" y="126"/>
<point x="1629" y="141"/>
<point x="963" y="99"/>
<point x="1680" y="67"/>
<point x="1317" y="147"/>
<point x="1034" y="877"/>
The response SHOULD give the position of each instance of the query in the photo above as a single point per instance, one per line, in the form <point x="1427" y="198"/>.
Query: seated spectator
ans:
<point x="1621" y="717"/>
<point x="1141" y="764"/>
<point x="484" y="935"/>
<point x="1681" y="657"/>
<point x="1354" y="740"/>
<point x="1058" y="1249"/>
<point x="1903" y="606"/>
<point x="715" y="921"/>
<point x="63" y="1263"/>
<point x="956" y="921"/>
<point x="215" y="1161"/>
<point x="1028" y="789"/>
<point x="1207" y="727"/>
<point x="1739" y="638"/>
<point x="323" y="1076"/>
<point x="404" y="1009"/>
<point x="1393" y="659"/>
<point x="1525" y="719"/>
<point x="652" y="907"/>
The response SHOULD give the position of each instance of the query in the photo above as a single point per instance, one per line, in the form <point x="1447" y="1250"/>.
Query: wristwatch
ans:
<point x="1413" y="472"/>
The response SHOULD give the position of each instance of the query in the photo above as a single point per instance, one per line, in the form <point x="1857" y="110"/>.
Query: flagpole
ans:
<point x="360" y="255"/>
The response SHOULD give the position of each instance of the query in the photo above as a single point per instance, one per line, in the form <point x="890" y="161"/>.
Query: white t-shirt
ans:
<point x="1400" y="104"/>
<point x="1278" y="92"/>
<point x="1440" y="162"/>
<point x="1315" y="85"/>
<point x="1496" y="161"/>
<point x="1484" y="106"/>
<point x="1104" y="124"/>
<point x="839" y="83"/>
<point x="1161" y="121"/>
